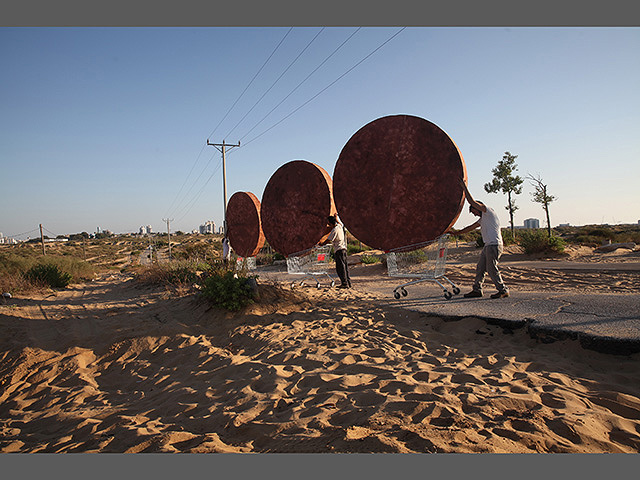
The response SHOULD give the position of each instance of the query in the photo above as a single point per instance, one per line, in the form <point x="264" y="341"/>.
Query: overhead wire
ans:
<point x="252" y="80"/>
<point x="302" y="82"/>
<point x="217" y="126"/>
<point x="276" y="81"/>
<point x="192" y="185"/>
<point x="21" y="234"/>
<point x="325" y="88"/>
<point x="197" y="197"/>
<point x="199" y="193"/>
<point x="185" y="181"/>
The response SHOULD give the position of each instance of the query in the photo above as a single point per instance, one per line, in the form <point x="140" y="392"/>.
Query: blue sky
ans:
<point x="107" y="127"/>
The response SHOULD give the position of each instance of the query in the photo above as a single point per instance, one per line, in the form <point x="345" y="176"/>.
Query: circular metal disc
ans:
<point x="295" y="205"/>
<point x="243" y="224"/>
<point x="396" y="182"/>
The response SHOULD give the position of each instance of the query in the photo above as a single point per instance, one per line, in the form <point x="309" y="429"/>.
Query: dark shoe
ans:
<point x="502" y="294"/>
<point x="343" y="286"/>
<point x="473" y="294"/>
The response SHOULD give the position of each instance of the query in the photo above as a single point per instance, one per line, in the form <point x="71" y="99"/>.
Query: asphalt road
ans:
<point x="608" y="323"/>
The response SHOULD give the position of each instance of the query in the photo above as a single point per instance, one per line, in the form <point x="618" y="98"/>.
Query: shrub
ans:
<point x="369" y="259"/>
<point x="355" y="248"/>
<point x="49" y="274"/>
<point x="538" y="241"/>
<point x="508" y="238"/>
<point x="228" y="289"/>
<point x="174" y="273"/>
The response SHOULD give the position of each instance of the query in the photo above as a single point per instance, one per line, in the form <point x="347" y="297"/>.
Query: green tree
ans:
<point x="541" y="196"/>
<point x="505" y="181"/>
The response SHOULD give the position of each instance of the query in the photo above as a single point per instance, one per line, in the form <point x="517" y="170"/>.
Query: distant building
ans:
<point x="145" y="230"/>
<point x="208" y="227"/>
<point x="532" y="223"/>
<point x="7" y="240"/>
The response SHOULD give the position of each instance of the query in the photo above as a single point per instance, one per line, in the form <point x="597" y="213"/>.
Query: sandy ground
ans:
<point x="114" y="366"/>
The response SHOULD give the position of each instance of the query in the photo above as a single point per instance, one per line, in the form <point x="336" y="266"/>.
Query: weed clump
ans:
<point x="538" y="241"/>
<point x="229" y="289"/>
<point x="369" y="259"/>
<point x="49" y="274"/>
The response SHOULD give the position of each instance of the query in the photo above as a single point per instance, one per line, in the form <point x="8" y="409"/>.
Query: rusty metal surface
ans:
<point x="295" y="205"/>
<point x="396" y="182"/>
<point x="243" y="224"/>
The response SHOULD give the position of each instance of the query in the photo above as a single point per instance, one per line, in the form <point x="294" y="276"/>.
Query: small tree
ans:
<point x="505" y="181"/>
<point x="541" y="196"/>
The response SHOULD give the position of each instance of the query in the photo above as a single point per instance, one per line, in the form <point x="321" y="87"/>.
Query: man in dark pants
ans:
<point x="337" y="237"/>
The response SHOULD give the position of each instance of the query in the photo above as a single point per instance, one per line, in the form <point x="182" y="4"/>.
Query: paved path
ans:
<point x="608" y="323"/>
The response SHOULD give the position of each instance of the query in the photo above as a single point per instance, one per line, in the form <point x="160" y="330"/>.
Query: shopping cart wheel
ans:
<point x="318" y="285"/>
<point x="302" y="283"/>
<point x="404" y="292"/>
<point x="333" y="283"/>
<point x="456" y="290"/>
<point x="293" y="285"/>
<point x="447" y="295"/>
<point x="397" y="295"/>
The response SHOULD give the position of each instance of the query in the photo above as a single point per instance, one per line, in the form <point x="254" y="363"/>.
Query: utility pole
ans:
<point x="168" y="220"/>
<point x="224" y="175"/>
<point x="42" y="240"/>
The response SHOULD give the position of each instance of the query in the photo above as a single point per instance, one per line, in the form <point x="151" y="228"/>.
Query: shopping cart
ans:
<point x="248" y="263"/>
<point x="313" y="262"/>
<point x="422" y="261"/>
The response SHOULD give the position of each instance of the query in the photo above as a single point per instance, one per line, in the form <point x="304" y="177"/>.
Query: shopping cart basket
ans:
<point x="422" y="261"/>
<point x="246" y="262"/>
<point x="313" y="262"/>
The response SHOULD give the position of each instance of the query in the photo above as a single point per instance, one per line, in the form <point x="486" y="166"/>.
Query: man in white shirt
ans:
<point x="337" y="237"/>
<point x="493" y="246"/>
<point x="226" y="251"/>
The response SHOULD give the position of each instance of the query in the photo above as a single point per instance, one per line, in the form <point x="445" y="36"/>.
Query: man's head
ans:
<point x="475" y="211"/>
<point x="331" y="219"/>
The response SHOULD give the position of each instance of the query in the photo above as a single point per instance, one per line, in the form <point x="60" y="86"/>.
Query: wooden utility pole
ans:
<point x="224" y="176"/>
<point x="168" y="220"/>
<point x="42" y="240"/>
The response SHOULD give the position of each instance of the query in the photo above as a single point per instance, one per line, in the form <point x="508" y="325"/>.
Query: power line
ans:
<point x="276" y="81"/>
<point x="194" y="183"/>
<point x="22" y="234"/>
<point x="197" y="197"/>
<point x="190" y="205"/>
<point x="219" y="123"/>
<point x="327" y="87"/>
<point x="302" y="82"/>
<point x="187" y="178"/>
<point x="254" y="77"/>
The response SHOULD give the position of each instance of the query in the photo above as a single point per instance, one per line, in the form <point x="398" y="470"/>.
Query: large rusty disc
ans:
<point x="295" y="205"/>
<point x="244" y="228"/>
<point x="396" y="182"/>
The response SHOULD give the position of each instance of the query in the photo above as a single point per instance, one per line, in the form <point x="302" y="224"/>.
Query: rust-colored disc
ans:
<point x="243" y="224"/>
<point x="396" y="182"/>
<point x="295" y="205"/>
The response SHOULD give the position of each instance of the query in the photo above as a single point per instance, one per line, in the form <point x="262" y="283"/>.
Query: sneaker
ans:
<point x="343" y="286"/>
<point x="473" y="294"/>
<point x="501" y="294"/>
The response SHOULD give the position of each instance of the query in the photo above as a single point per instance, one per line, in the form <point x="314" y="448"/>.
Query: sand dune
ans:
<point x="112" y="366"/>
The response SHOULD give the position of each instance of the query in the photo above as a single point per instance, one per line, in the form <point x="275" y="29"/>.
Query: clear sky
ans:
<point x="107" y="127"/>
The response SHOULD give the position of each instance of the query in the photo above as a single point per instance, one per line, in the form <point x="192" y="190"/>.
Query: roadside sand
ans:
<point x="112" y="366"/>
